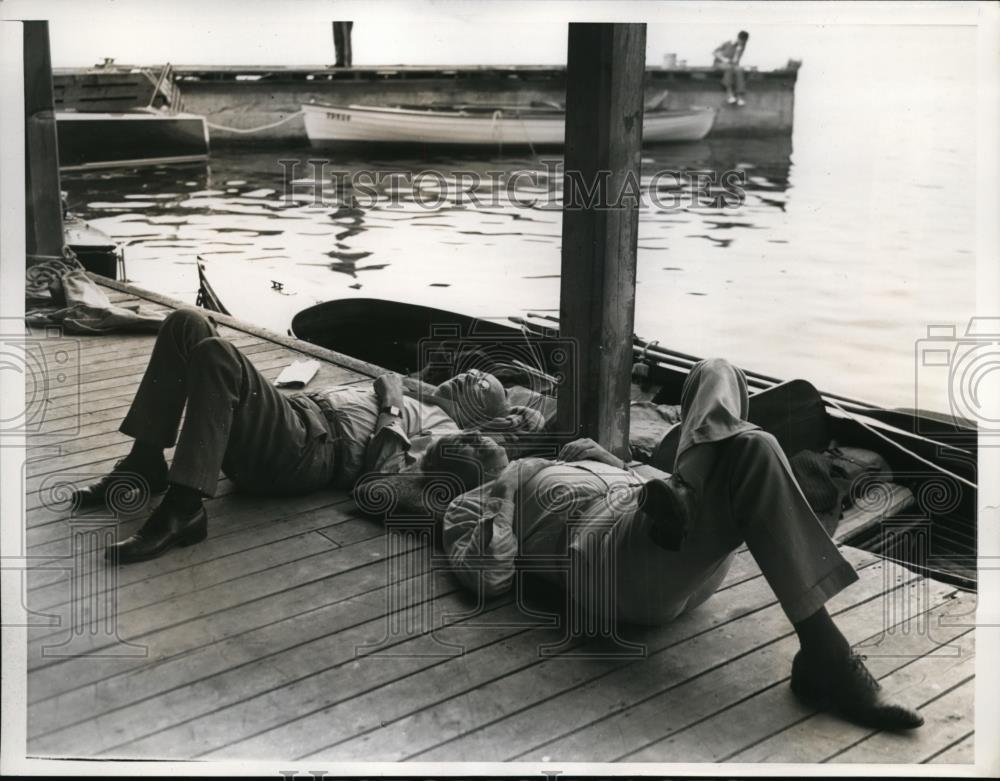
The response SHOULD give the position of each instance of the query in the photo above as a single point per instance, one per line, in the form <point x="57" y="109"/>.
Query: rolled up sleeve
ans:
<point x="387" y="450"/>
<point x="489" y="567"/>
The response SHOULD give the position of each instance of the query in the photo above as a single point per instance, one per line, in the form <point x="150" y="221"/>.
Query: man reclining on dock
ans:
<point x="267" y="442"/>
<point x="648" y="551"/>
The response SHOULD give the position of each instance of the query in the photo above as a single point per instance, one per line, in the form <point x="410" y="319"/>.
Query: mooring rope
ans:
<point x="248" y="130"/>
<point x="527" y="137"/>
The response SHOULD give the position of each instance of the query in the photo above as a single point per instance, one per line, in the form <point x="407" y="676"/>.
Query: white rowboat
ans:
<point x="480" y="125"/>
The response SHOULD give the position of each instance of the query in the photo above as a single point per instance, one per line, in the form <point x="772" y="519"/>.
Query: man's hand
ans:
<point x="505" y="486"/>
<point x="586" y="449"/>
<point x="389" y="387"/>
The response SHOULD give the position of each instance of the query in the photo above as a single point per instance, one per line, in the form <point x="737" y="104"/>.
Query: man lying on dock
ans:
<point x="266" y="442"/>
<point x="648" y="551"/>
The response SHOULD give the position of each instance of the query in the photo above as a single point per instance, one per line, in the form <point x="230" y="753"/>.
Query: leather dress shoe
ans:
<point x="123" y="485"/>
<point x="167" y="527"/>
<point x="849" y="688"/>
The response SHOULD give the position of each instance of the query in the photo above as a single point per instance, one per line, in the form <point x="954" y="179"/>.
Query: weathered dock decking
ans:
<point x="247" y="645"/>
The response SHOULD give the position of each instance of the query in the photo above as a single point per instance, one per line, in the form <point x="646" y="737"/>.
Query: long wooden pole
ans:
<point x="604" y="102"/>
<point x="44" y="229"/>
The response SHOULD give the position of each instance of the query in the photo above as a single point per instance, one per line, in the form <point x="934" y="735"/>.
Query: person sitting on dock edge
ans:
<point x="727" y="56"/>
<point x="266" y="442"/>
<point x="646" y="551"/>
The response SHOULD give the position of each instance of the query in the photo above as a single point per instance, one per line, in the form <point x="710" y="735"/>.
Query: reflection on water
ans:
<point x="804" y="278"/>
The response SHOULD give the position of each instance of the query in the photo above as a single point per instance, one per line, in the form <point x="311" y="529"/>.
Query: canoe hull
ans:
<point x="335" y="124"/>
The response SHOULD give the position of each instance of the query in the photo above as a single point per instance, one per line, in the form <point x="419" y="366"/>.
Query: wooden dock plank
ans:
<point x="440" y="703"/>
<point x="916" y="678"/>
<point x="962" y="752"/>
<point x="220" y="658"/>
<point x="330" y="677"/>
<point x="185" y="623"/>
<point x="130" y="367"/>
<point x="70" y="405"/>
<point x="770" y="725"/>
<point x="49" y="522"/>
<point x="201" y="714"/>
<point x="657" y="724"/>
<point x="117" y="383"/>
<point x="200" y="615"/>
<point x="51" y="536"/>
<point x="946" y="720"/>
<point x="245" y="526"/>
<point x="601" y="691"/>
<point x="101" y="352"/>
<point x="219" y="569"/>
<point x="111" y="351"/>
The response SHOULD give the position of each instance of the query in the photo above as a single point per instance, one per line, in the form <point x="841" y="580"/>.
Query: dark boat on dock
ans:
<point x="104" y="140"/>
<point x="923" y="515"/>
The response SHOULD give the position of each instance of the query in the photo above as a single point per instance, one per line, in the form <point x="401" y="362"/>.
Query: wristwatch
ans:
<point x="390" y="409"/>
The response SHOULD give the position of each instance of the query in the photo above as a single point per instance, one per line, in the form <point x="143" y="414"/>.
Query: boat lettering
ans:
<point x="338" y="116"/>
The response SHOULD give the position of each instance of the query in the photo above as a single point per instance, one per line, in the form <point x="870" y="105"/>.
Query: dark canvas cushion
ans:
<point x="827" y="478"/>
<point x="825" y="493"/>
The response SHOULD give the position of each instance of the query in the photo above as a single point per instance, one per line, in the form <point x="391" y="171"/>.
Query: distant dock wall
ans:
<point x="269" y="98"/>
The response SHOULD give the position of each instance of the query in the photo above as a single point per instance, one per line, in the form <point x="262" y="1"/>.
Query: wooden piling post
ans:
<point x="604" y="109"/>
<point x="43" y="200"/>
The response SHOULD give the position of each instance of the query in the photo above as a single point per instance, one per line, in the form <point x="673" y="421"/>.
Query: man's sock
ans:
<point x="820" y="637"/>
<point x="183" y="498"/>
<point x="147" y="456"/>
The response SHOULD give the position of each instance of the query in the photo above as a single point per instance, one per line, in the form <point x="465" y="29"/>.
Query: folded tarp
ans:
<point x="78" y="305"/>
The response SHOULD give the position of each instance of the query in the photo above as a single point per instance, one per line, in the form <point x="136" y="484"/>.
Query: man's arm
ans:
<point x="427" y="393"/>
<point x="418" y="388"/>
<point x="387" y="448"/>
<point x="586" y="449"/>
<point x="478" y="533"/>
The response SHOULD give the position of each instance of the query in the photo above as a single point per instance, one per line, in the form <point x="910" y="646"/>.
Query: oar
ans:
<point x="645" y="350"/>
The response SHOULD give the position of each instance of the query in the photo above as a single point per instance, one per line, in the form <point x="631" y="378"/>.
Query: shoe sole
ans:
<point x="822" y="701"/>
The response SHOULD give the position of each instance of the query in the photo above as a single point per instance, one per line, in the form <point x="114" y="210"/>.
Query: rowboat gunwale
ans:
<point x="356" y="123"/>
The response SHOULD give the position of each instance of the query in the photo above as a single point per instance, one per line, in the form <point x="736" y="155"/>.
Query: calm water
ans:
<point x="849" y="242"/>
